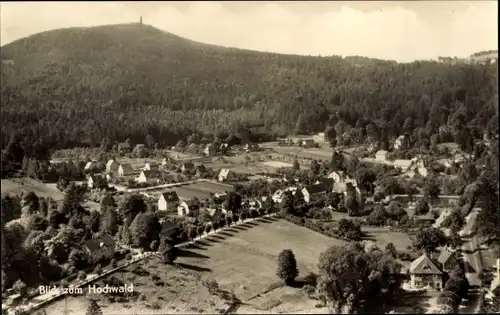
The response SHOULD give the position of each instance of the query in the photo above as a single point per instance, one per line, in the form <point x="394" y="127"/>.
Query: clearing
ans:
<point x="17" y="186"/>
<point x="241" y="259"/>
<point x="383" y="236"/>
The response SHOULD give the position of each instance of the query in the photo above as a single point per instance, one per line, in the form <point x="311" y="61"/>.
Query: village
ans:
<point x="202" y="181"/>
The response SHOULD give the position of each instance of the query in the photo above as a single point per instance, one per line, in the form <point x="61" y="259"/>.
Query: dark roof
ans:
<point x="316" y="189"/>
<point x="94" y="244"/>
<point x="425" y="265"/>
<point x="191" y="203"/>
<point x="170" y="196"/>
<point x="150" y="174"/>
<point x="445" y="256"/>
<point x="328" y="181"/>
<point x="188" y="164"/>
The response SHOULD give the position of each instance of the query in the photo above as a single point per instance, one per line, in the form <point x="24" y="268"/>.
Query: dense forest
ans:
<point x="77" y="86"/>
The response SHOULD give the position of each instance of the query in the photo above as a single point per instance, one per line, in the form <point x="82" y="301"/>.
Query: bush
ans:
<point x="114" y="263"/>
<point x="98" y="269"/>
<point x="82" y="275"/>
<point x="422" y="207"/>
<point x="128" y="256"/>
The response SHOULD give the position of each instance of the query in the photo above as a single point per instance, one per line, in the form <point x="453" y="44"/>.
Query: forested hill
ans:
<point x="77" y="86"/>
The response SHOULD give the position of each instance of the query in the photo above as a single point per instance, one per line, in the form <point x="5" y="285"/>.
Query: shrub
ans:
<point x="98" y="269"/>
<point x="128" y="256"/>
<point x="114" y="263"/>
<point x="422" y="207"/>
<point x="82" y="275"/>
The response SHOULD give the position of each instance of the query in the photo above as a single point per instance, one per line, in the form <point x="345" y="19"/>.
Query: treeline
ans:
<point x="128" y="81"/>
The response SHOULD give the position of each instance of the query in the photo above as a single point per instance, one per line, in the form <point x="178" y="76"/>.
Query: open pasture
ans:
<point x="231" y="255"/>
<point x="17" y="186"/>
<point x="383" y="236"/>
<point x="200" y="190"/>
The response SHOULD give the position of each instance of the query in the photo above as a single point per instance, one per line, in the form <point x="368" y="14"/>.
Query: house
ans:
<point x="188" y="207"/>
<point x="95" y="181"/>
<point x="100" y="248"/>
<point x="168" y="200"/>
<point x="404" y="165"/>
<point x="311" y="193"/>
<point x="125" y="170"/>
<point x="210" y="150"/>
<point x="251" y="147"/>
<point x="308" y="143"/>
<point x="329" y="182"/>
<point x="381" y="155"/>
<point x="147" y="177"/>
<point x="339" y="176"/>
<point x="192" y="148"/>
<point x="224" y="147"/>
<point x="448" y="260"/>
<point x="255" y="204"/>
<point x="124" y="147"/>
<point x="421" y="168"/>
<point x="150" y="167"/>
<point x="187" y="166"/>
<point x="425" y="271"/>
<point x="225" y="175"/>
<point x="90" y="165"/>
<point x="112" y="166"/>
<point x="279" y="194"/>
<point x="216" y="213"/>
<point x="400" y="142"/>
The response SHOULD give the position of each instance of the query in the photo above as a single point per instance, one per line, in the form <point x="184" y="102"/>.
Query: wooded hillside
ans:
<point x="76" y="86"/>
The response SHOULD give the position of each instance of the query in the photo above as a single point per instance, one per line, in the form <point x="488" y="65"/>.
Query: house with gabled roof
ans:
<point x="148" y="177"/>
<point x="168" y="201"/>
<point x="448" y="260"/>
<point x="112" y="166"/>
<point x="150" y="166"/>
<point x="308" y="143"/>
<point x="188" y="207"/>
<point x="210" y="149"/>
<point x="125" y="170"/>
<point x="339" y="176"/>
<point x="100" y="248"/>
<point x="426" y="272"/>
<point x="96" y="181"/>
<point x="313" y="192"/>
<point x="224" y="175"/>
<point x="187" y="166"/>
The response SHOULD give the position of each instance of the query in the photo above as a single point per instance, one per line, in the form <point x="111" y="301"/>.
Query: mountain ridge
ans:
<point x="128" y="80"/>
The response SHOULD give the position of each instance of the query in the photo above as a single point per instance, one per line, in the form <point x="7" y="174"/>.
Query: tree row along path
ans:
<point x="40" y="300"/>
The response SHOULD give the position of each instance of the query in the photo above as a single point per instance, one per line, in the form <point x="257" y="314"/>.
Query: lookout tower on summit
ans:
<point x="140" y="20"/>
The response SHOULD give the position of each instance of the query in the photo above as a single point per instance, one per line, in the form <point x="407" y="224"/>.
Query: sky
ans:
<point x="399" y="30"/>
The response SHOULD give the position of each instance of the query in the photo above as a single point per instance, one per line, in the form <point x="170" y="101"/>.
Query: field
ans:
<point x="383" y="236"/>
<point x="324" y="153"/>
<point x="17" y="186"/>
<point x="241" y="259"/>
<point x="199" y="190"/>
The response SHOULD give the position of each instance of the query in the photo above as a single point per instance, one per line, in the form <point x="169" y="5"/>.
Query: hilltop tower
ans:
<point x="140" y="20"/>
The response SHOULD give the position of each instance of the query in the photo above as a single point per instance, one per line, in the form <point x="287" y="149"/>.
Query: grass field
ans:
<point x="17" y="186"/>
<point x="242" y="259"/>
<point x="199" y="190"/>
<point x="383" y="236"/>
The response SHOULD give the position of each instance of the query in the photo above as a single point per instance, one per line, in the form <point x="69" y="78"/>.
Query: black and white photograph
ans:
<point x="249" y="157"/>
